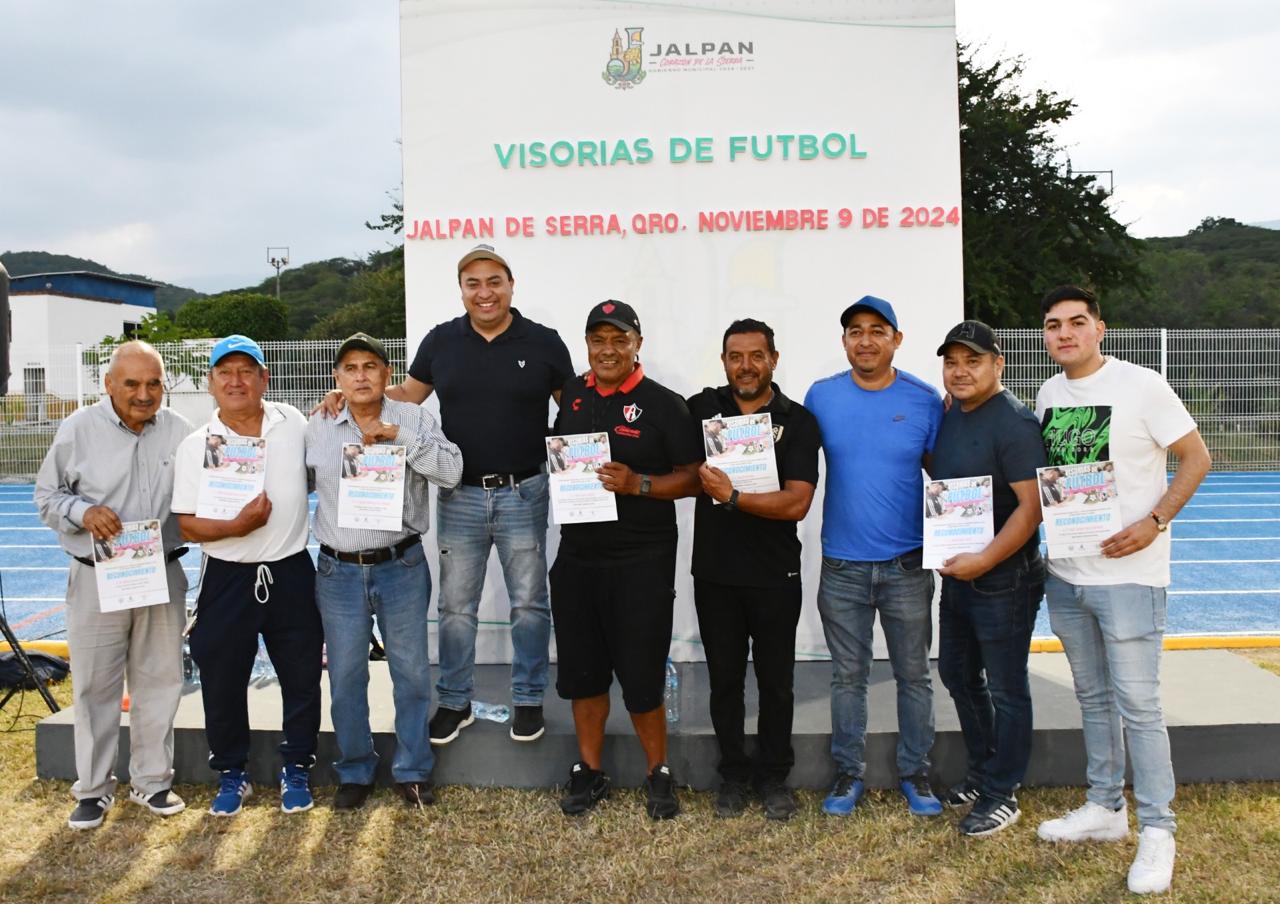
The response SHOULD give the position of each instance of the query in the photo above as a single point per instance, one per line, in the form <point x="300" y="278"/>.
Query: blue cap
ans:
<point x="236" y="343"/>
<point x="872" y="304"/>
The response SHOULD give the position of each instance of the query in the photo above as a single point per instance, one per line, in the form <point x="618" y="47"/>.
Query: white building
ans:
<point x="51" y="314"/>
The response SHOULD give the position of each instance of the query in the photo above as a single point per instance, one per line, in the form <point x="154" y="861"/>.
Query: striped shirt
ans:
<point x="96" y="460"/>
<point x="429" y="458"/>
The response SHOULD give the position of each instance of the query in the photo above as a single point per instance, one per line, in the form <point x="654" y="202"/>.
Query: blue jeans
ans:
<point x="985" y="627"/>
<point x="471" y="520"/>
<point x="1113" y="636"/>
<point x="398" y="593"/>
<point x="849" y="594"/>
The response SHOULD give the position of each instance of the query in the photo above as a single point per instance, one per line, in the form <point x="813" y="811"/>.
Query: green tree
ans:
<point x="378" y="305"/>
<point x="1029" y="223"/>
<point x="258" y="316"/>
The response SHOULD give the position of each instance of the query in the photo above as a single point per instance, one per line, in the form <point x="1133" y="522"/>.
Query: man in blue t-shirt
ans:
<point x="878" y="427"/>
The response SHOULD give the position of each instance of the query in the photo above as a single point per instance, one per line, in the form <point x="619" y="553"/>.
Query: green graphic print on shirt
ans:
<point x="1080" y="435"/>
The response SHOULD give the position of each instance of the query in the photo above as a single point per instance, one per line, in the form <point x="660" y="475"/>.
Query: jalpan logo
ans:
<point x="625" y="68"/>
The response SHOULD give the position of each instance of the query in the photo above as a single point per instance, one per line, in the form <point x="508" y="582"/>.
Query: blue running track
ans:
<point x="1226" y="562"/>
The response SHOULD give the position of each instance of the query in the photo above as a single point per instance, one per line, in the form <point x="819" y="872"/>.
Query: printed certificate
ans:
<point x="1081" y="507"/>
<point x="577" y="495"/>
<point x="742" y="447"/>
<point x="235" y="469"/>
<point x="130" y="568"/>
<point x="957" y="518"/>
<point x="371" y="487"/>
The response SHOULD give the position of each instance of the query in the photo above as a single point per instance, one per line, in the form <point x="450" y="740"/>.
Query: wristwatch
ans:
<point x="645" y="484"/>
<point x="1161" y="524"/>
<point x="732" y="501"/>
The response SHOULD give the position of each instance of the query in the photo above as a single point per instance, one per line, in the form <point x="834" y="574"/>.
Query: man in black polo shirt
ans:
<point x="493" y="371"/>
<point x="990" y="598"/>
<point x="746" y="570"/>
<point x="613" y="583"/>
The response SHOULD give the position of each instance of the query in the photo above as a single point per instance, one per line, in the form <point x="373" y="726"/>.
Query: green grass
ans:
<point x="497" y="845"/>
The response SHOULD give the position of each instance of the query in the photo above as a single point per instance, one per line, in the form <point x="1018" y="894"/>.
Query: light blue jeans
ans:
<point x="471" y="520"/>
<point x="849" y="595"/>
<point x="398" y="593"/>
<point x="1113" y="636"/>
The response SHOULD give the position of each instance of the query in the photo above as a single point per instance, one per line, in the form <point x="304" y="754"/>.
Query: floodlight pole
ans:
<point x="278" y="257"/>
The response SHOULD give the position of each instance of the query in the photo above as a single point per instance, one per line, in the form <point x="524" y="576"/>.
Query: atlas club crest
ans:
<point x="632" y="412"/>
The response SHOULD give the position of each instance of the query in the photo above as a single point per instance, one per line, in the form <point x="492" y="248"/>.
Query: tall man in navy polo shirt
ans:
<point x="613" y="583"/>
<point x="746" y="573"/>
<point x="878" y="427"/>
<point x="494" y="371"/>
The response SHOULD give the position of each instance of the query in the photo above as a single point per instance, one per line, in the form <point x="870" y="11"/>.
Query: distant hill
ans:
<point x="23" y="263"/>
<point x="1269" y="224"/>
<point x="1221" y="275"/>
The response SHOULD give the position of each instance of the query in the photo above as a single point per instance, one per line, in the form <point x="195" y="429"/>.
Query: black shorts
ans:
<point x="613" y="619"/>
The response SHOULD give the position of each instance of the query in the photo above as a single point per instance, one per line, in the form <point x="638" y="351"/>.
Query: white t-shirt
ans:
<point x="285" y="532"/>
<point x="1129" y="415"/>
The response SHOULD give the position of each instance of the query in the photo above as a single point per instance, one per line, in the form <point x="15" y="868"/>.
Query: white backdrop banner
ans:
<point x="703" y="161"/>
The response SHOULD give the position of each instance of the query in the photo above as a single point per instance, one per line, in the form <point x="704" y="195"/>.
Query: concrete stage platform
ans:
<point x="1223" y="714"/>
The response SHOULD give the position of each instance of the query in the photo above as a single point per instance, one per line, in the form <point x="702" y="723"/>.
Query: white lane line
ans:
<point x="1219" y="539"/>
<point x="1223" y="520"/>
<point x="1203" y="493"/>
<point x="34" y="599"/>
<point x="1215" y="592"/>
<point x="1203" y="562"/>
<point x="1191" y="505"/>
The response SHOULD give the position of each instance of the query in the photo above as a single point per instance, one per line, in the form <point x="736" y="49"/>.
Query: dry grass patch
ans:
<point x="1264" y="657"/>
<point x="498" y="845"/>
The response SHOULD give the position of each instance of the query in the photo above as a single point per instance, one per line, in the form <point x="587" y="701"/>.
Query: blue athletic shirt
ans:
<point x="873" y="443"/>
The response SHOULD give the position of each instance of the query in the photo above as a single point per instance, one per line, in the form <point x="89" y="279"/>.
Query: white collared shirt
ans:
<point x="285" y="533"/>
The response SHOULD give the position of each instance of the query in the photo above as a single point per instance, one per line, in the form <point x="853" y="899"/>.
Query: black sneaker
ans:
<point x="960" y="795"/>
<point x="90" y="812"/>
<point x="351" y="796"/>
<point x="732" y="799"/>
<point x="447" y="724"/>
<point x="162" y="803"/>
<point x="661" y="802"/>
<point x="586" y="788"/>
<point x="778" y="801"/>
<point x="417" y="794"/>
<point x="989" y="815"/>
<point x="527" y="724"/>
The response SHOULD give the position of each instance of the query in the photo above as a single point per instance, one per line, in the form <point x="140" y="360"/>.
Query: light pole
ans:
<point x="278" y="256"/>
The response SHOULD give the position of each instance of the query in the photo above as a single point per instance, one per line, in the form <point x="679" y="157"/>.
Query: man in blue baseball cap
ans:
<point x="258" y="576"/>
<point x="878" y="428"/>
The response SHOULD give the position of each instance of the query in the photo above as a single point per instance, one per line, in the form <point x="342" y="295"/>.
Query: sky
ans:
<point x="180" y="139"/>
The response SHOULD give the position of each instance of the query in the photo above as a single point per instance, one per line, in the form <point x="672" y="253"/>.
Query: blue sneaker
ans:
<point x="915" y="788"/>
<point x="844" y="795"/>
<point x="233" y="790"/>
<point x="295" y="788"/>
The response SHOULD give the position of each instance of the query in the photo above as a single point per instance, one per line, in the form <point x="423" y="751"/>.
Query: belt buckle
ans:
<point x="492" y="481"/>
<point x="360" y="557"/>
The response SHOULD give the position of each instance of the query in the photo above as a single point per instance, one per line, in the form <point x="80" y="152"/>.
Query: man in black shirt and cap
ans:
<point x="746" y="571"/>
<point x="613" y="583"/>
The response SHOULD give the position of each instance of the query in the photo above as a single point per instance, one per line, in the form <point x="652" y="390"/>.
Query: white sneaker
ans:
<point x="1091" y="822"/>
<point x="1152" y="869"/>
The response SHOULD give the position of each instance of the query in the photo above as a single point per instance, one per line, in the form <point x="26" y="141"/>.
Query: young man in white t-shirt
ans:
<point x="1109" y="610"/>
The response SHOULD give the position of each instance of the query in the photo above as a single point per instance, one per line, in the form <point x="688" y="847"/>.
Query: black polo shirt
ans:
<point x="493" y="394"/>
<point x="741" y="550"/>
<point x="650" y="432"/>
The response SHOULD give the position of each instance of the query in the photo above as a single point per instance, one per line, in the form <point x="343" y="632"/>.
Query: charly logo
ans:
<point x="625" y="68"/>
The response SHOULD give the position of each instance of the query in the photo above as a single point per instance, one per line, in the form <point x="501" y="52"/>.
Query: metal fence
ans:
<point x="1229" y="380"/>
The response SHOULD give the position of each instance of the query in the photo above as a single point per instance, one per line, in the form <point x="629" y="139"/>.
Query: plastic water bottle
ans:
<point x="493" y="712"/>
<point x="190" y="671"/>
<point x="264" y="672"/>
<point x="671" y="693"/>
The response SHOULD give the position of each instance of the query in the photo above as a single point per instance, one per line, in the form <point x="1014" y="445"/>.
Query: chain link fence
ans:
<point x="1228" y="379"/>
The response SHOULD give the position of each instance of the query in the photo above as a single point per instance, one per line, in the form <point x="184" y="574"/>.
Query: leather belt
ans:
<point x="494" y="481"/>
<point x="374" y="556"/>
<point x="170" y="556"/>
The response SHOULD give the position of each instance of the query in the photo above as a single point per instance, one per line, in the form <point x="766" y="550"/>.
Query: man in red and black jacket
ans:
<point x="613" y="583"/>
